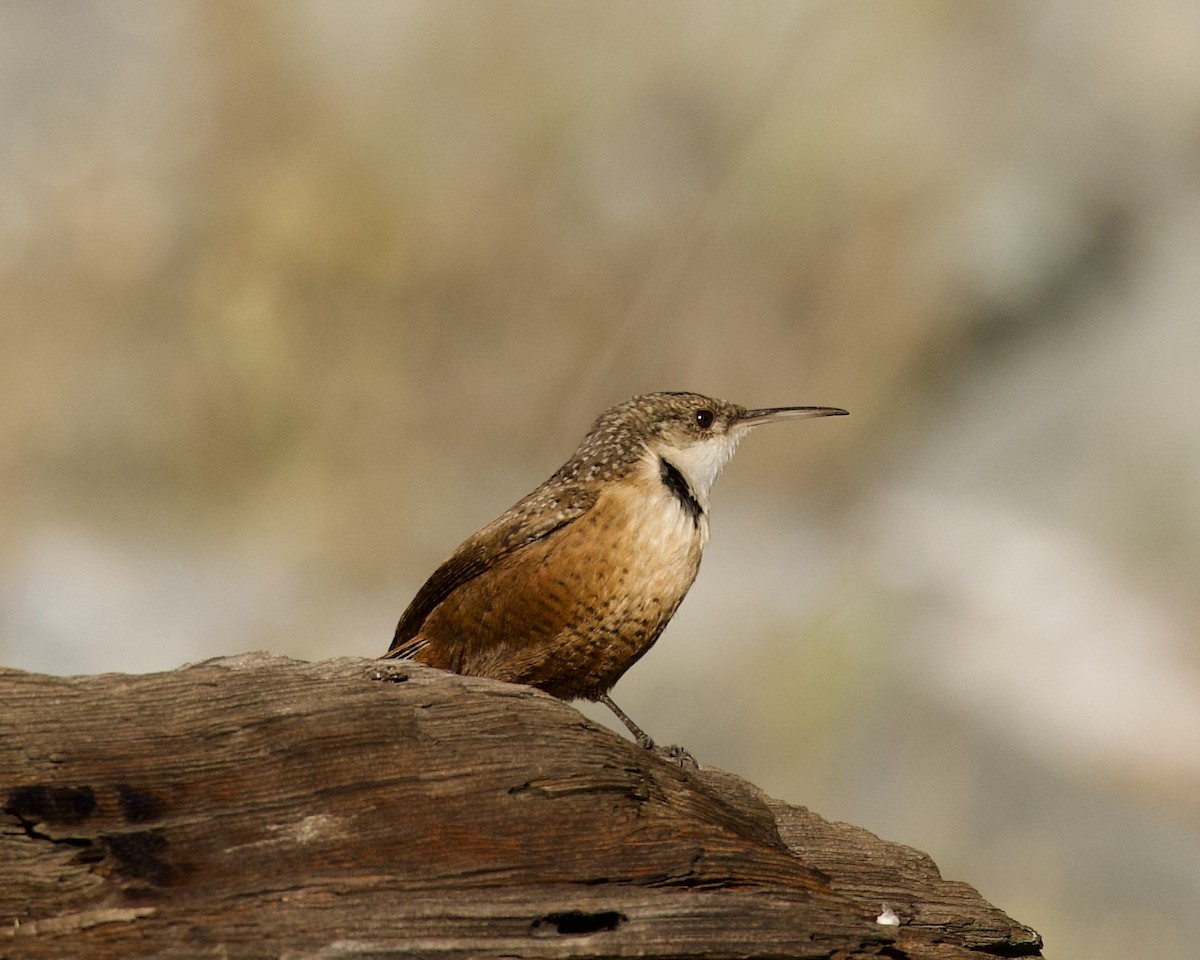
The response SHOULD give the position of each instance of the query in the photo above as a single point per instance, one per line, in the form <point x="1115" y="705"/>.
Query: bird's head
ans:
<point x="693" y="434"/>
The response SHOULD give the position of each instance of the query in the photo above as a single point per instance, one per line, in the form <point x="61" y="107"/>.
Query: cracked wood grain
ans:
<point x="257" y="806"/>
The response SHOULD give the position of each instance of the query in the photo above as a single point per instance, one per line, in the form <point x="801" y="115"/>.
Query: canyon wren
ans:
<point x="567" y="589"/>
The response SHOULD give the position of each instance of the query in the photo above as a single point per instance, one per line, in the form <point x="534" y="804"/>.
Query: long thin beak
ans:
<point x="752" y="418"/>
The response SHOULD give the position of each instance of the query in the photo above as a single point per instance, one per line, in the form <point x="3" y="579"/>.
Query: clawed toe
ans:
<point x="677" y="755"/>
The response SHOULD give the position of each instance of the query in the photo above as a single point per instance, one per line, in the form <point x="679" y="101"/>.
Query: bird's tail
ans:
<point x="407" y="650"/>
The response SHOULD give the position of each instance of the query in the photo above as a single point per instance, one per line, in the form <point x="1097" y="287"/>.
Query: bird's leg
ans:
<point x="640" y="735"/>
<point x="674" y="754"/>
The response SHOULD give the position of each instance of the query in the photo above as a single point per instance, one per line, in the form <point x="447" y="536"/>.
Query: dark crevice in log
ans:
<point x="577" y="923"/>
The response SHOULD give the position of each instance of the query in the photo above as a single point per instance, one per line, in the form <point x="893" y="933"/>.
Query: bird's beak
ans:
<point x="752" y="418"/>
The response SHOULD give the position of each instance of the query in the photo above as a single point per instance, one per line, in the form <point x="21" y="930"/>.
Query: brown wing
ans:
<point x="533" y="518"/>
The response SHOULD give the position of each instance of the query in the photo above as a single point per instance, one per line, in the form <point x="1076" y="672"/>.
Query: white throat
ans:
<point x="700" y="463"/>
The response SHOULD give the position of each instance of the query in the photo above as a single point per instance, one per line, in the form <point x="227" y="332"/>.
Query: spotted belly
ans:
<point x="571" y="613"/>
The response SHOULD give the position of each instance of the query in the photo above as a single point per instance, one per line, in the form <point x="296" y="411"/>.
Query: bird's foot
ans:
<point x="674" y="754"/>
<point x="677" y="755"/>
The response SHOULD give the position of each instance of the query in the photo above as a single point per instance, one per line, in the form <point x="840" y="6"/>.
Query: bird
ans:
<point x="573" y="584"/>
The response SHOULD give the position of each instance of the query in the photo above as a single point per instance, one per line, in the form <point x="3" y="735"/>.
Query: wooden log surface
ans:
<point x="257" y="806"/>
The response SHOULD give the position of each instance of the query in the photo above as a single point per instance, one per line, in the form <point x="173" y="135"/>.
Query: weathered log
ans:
<point x="263" y="807"/>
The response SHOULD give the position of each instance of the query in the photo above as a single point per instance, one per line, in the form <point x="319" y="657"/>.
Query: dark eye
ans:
<point x="703" y="418"/>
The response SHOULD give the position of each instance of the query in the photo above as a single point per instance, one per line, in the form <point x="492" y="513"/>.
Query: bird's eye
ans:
<point x="703" y="418"/>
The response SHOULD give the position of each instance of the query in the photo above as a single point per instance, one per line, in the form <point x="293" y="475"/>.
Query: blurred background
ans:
<point x="296" y="296"/>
